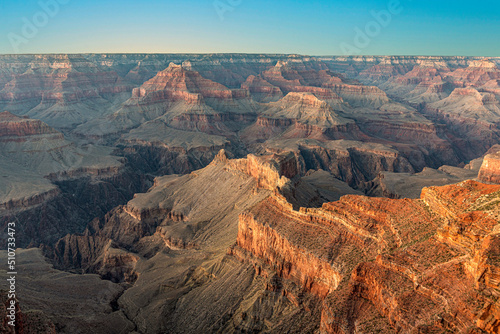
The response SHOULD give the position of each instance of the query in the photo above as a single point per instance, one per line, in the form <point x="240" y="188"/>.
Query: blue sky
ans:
<point x="419" y="27"/>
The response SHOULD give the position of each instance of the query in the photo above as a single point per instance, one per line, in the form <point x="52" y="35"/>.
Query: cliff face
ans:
<point x="490" y="170"/>
<point x="477" y="73"/>
<point x="13" y="126"/>
<point x="353" y="162"/>
<point x="270" y="172"/>
<point x="261" y="90"/>
<point x="422" y="265"/>
<point x="289" y="260"/>
<point x="43" y="86"/>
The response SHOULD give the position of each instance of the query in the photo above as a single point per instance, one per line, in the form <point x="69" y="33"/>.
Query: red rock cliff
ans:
<point x="385" y="265"/>
<point x="490" y="170"/>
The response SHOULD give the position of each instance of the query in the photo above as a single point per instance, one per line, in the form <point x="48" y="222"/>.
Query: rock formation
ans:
<point x="490" y="169"/>
<point x="174" y="94"/>
<point x="476" y="74"/>
<point x="261" y="90"/>
<point x="405" y="185"/>
<point x="374" y="269"/>
<point x="62" y="90"/>
<point x="52" y="185"/>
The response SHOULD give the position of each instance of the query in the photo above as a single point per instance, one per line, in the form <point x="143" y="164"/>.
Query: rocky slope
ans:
<point x="476" y="74"/>
<point x="52" y="186"/>
<point x="177" y="235"/>
<point x="468" y="114"/>
<point x="70" y="310"/>
<point x="383" y="265"/>
<point x="300" y="263"/>
<point x="459" y="92"/>
<point x="490" y="169"/>
<point x="38" y="147"/>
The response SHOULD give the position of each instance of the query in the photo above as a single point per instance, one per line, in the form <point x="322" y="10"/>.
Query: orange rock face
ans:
<point x="178" y="84"/>
<point x="270" y="172"/>
<point x="289" y="260"/>
<point x="490" y="170"/>
<point x="382" y="265"/>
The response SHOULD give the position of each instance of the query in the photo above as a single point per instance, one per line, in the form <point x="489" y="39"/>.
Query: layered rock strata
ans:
<point x="490" y="169"/>
<point x="386" y="265"/>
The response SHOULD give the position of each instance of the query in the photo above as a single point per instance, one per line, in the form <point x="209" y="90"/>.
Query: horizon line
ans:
<point x="239" y="53"/>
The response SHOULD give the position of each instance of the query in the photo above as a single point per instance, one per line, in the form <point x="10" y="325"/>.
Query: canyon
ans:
<point x="233" y="193"/>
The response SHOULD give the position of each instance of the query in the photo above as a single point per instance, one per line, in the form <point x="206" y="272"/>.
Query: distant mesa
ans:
<point x="261" y="90"/>
<point x="15" y="126"/>
<point x="483" y="63"/>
